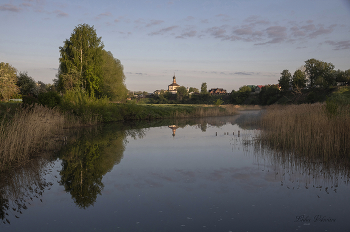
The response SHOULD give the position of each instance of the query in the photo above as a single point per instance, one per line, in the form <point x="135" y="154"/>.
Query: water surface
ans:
<point x="193" y="175"/>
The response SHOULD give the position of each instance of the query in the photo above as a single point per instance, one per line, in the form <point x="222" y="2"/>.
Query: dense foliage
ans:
<point x="8" y="81"/>
<point x="81" y="61"/>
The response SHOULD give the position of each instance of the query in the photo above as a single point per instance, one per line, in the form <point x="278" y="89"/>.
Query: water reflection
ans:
<point x="295" y="170"/>
<point x="20" y="187"/>
<point x="192" y="178"/>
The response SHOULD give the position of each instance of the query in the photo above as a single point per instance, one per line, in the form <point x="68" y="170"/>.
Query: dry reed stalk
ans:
<point x="307" y="129"/>
<point x="27" y="133"/>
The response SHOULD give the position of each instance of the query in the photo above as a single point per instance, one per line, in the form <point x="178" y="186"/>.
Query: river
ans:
<point x="177" y="175"/>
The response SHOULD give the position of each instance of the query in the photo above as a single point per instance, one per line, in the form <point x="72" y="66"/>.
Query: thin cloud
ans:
<point x="322" y="31"/>
<point x="106" y="14"/>
<point x="10" y="7"/>
<point x="189" y="18"/>
<point x="217" y="32"/>
<point x="187" y="34"/>
<point x="296" y="32"/>
<point x="60" y="14"/>
<point x="276" y="33"/>
<point x="154" y="22"/>
<point x="164" y="30"/>
<point x="341" y="45"/>
<point x="243" y="73"/>
<point x="223" y="17"/>
<point x="255" y="20"/>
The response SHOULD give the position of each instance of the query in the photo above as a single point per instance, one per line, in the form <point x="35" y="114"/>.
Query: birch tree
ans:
<point x="81" y="60"/>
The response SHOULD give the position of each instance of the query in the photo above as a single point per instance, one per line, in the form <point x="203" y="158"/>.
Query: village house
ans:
<point x="217" y="91"/>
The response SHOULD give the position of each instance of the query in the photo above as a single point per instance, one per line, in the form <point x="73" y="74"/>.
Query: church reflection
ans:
<point x="173" y="128"/>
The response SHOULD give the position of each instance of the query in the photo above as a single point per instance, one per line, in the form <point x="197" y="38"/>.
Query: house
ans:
<point x="173" y="86"/>
<point x="159" y="91"/>
<point x="217" y="91"/>
<point x="258" y="88"/>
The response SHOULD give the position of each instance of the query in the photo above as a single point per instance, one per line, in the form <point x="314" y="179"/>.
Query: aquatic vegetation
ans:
<point x="308" y="129"/>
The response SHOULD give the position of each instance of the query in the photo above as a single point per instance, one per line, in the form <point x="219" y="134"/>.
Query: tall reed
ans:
<point x="28" y="131"/>
<point x="307" y="129"/>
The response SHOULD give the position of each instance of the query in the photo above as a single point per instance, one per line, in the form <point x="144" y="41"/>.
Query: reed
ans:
<point x="307" y="129"/>
<point x="29" y="131"/>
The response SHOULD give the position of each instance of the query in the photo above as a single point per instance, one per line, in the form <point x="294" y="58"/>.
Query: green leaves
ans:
<point x="81" y="61"/>
<point x="319" y="71"/>
<point x="285" y="79"/>
<point x="8" y="80"/>
<point x="112" y="84"/>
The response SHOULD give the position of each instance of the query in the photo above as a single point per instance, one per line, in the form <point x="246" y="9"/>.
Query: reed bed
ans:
<point x="28" y="132"/>
<point x="307" y="129"/>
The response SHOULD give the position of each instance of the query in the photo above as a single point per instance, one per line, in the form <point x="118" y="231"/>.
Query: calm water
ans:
<point x="194" y="175"/>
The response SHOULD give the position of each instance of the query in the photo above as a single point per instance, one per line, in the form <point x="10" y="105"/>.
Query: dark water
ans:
<point x="193" y="175"/>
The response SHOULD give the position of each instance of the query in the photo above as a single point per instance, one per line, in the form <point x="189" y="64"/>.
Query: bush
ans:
<point x="50" y="99"/>
<point x="29" y="100"/>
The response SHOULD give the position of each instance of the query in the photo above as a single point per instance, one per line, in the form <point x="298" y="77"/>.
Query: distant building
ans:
<point x="172" y="88"/>
<point x="217" y="91"/>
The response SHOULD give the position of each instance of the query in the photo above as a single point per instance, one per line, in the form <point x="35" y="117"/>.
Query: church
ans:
<point x="173" y="86"/>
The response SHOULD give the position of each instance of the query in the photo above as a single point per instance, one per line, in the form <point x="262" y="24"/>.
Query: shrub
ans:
<point x="29" y="100"/>
<point x="50" y="99"/>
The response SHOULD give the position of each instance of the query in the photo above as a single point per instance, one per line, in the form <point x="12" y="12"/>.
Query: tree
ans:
<point x="181" y="92"/>
<point x="113" y="78"/>
<point x="8" y="80"/>
<point x="238" y="97"/>
<point x="342" y="76"/>
<point x="27" y="84"/>
<point x="81" y="61"/>
<point x="269" y="94"/>
<point x="193" y="90"/>
<point x="299" y="79"/>
<point x="204" y="88"/>
<point x="285" y="79"/>
<point x="320" y="71"/>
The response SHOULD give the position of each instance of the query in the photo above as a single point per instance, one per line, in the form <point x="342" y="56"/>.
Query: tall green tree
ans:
<point x="27" y="84"/>
<point x="285" y="79"/>
<point x="8" y="81"/>
<point x="299" y="79"/>
<point x="181" y="93"/>
<point x="81" y="61"/>
<point x="204" y="88"/>
<point x="113" y="78"/>
<point x="320" y="71"/>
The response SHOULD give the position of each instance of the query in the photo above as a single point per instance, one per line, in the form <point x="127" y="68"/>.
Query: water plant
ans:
<point x="307" y="130"/>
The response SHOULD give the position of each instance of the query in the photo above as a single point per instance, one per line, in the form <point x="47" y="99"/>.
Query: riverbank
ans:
<point x="24" y="132"/>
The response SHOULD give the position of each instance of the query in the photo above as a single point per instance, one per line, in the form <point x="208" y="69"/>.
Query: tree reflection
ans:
<point x="92" y="154"/>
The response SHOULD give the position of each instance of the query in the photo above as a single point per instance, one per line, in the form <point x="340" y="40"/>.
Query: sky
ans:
<point x="225" y="43"/>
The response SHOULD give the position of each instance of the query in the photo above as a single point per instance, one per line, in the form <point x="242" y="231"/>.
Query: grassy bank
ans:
<point x="101" y="110"/>
<point x="319" y="130"/>
<point x="25" y="130"/>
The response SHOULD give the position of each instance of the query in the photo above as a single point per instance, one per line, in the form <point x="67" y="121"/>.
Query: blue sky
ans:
<point x="226" y="44"/>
